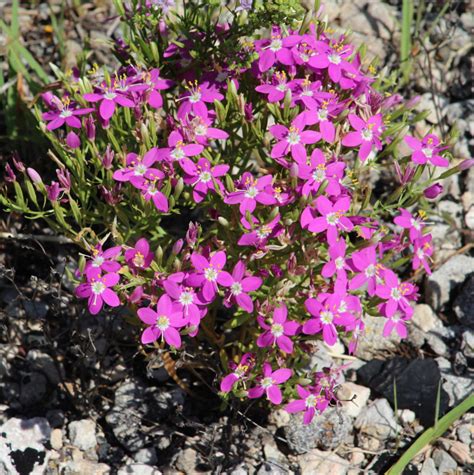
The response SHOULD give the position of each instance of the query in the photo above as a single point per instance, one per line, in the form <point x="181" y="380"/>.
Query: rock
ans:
<point x="444" y="280"/>
<point x="82" y="434"/>
<point x="371" y="343"/>
<point x="406" y="416"/>
<point x="469" y="218"/>
<point x="271" y="452"/>
<point x="443" y="461"/>
<point x="357" y="457"/>
<point x="460" y="452"/>
<point x="33" y="389"/>
<point x="43" y="363"/>
<point x="464" y="304"/>
<point x="56" y="439"/>
<point x="133" y="402"/>
<point x="353" y="398"/>
<point x="22" y="445"/>
<point x="325" y="431"/>
<point x="427" y="103"/>
<point x="318" y="461"/>
<point x="444" y="228"/>
<point x="138" y="469"/>
<point x="187" y="461"/>
<point x="146" y="456"/>
<point x="416" y="385"/>
<point x="457" y="387"/>
<point x="272" y="468"/>
<point x="377" y="420"/>
<point x="464" y="433"/>
<point x="428" y="468"/>
<point x="242" y="469"/>
<point x="279" y="418"/>
<point x="83" y="467"/>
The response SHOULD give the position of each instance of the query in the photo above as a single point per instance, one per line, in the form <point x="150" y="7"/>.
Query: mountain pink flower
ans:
<point x="239" y="372"/>
<point x="332" y="56"/>
<point x="65" y="113"/>
<point x="151" y="192"/>
<point x="139" y="257"/>
<point x="103" y="261"/>
<point x="156" y="84"/>
<point x="423" y="250"/>
<point x="276" y="49"/>
<point x="196" y="98"/>
<point x="396" y="322"/>
<point x="426" y="150"/>
<point x="367" y="134"/>
<point x="337" y="263"/>
<point x="260" y="235"/>
<point x="365" y="262"/>
<point x="241" y="285"/>
<point x="278" y="331"/>
<point x="311" y="402"/>
<point x="138" y="168"/>
<point x="277" y="91"/>
<point x="203" y="177"/>
<point x="164" y="323"/>
<point x="414" y="224"/>
<point x="97" y="290"/>
<point x="395" y="293"/>
<point x="332" y="217"/>
<point x="268" y="384"/>
<point x="177" y="149"/>
<point x="109" y="97"/>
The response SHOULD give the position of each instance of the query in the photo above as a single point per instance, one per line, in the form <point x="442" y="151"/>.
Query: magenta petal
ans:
<point x="318" y="225"/>
<point x="352" y="139"/>
<point x="111" y="279"/>
<point x="147" y="315"/>
<point x="280" y="314"/>
<point x="228" y="382"/>
<point x="274" y="394"/>
<point x="295" y="406"/>
<point x="251" y="283"/>
<point x="106" y="109"/>
<point x="225" y="279"/>
<point x="110" y="298"/>
<point x="267" y="60"/>
<point x="150" y="335"/>
<point x="244" y="302"/>
<point x="164" y="306"/>
<point x="199" y="262"/>
<point x="172" y="337"/>
<point x="281" y="375"/>
<point x="255" y="393"/>
<point x="83" y="291"/>
<point x="329" y="334"/>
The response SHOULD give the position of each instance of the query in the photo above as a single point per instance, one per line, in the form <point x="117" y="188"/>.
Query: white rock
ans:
<point x="82" y="434"/>
<point x="56" y="439"/>
<point x="353" y="398"/>
<point x="319" y="462"/>
<point x="83" y="467"/>
<point x="425" y="318"/>
<point x="406" y="416"/>
<point x="138" y="469"/>
<point x="378" y="420"/>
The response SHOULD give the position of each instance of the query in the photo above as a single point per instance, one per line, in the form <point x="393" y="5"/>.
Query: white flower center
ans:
<point x="334" y="58"/>
<point x="415" y="224"/>
<point x="98" y="261"/>
<point x="236" y="288"/>
<point x="326" y="317"/>
<point x="263" y="232"/>
<point x="276" y="45"/>
<point x="110" y="95"/>
<point x="319" y="174"/>
<point x="277" y="330"/>
<point x="267" y="382"/>
<point x="311" y="400"/>
<point x="205" y="177"/>
<point x="140" y="170"/>
<point x="200" y="130"/>
<point x="186" y="298"/>
<point x="195" y="97"/>
<point x="342" y="307"/>
<point x="252" y="192"/>
<point x="211" y="274"/>
<point x="370" y="271"/>
<point x="332" y="219"/>
<point x="323" y="114"/>
<point x="139" y="260"/>
<point x="339" y="262"/>
<point x="396" y="294"/>
<point x="293" y="137"/>
<point x="282" y="87"/>
<point x="367" y="134"/>
<point x="97" y="287"/>
<point x="177" y="153"/>
<point x="420" y="253"/>
<point x="65" y="113"/>
<point x="162" y="323"/>
<point x="427" y="152"/>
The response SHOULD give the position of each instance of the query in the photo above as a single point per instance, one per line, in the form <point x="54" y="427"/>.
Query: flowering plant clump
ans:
<point x="219" y="180"/>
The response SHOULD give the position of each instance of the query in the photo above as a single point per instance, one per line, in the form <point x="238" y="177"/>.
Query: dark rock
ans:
<point x="464" y="304"/>
<point x="417" y="384"/>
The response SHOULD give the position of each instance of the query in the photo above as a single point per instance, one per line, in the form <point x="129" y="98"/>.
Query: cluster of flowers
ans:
<point x="291" y="232"/>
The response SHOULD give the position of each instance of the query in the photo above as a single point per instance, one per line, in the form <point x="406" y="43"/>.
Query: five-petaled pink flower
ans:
<point x="163" y="323"/>
<point x="367" y="135"/>
<point x="278" y="331"/>
<point x="97" y="290"/>
<point x="239" y="372"/>
<point x="426" y="150"/>
<point x="139" y="257"/>
<point x="311" y="402"/>
<point x="269" y="382"/>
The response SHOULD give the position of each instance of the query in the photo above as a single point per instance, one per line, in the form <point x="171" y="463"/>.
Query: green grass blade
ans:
<point x="405" y="44"/>
<point x="438" y="403"/>
<point x="431" y="434"/>
<point x="15" y="25"/>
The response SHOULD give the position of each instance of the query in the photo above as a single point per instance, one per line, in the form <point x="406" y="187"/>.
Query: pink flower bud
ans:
<point x="9" y="174"/>
<point x="73" y="140"/>
<point x="34" y="175"/>
<point x="191" y="235"/>
<point x="64" y="178"/>
<point x="466" y="164"/>
<point x="19" y="165"/>
<point x="53" y="191"/>
<point x="90" y="128"/>
<point x="108" y="158"/>
<point x="433" y="191"/>
<point x="248" y="108"/>
<point x="177" y="246"/>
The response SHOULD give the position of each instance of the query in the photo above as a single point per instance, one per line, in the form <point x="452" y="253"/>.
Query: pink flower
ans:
<point x="202" y="176"/>
<point x="408" y="221"/>
<point x="317" y="171"/>
<point x="177" y="149"/>
<point x="337" y="263"/>
<point x="433" y="191"/>
<point x="260" y="235"/>
<point x="163" y="323"/>
<point x="311" y="402"/>
<point x="396" y="322"/>
<point x="156" y="84"/>
<point x="255" y="191"/>
<point x="278" y="331"/>
<point x="196" y="98"/>
<point x="150" y="192"/>
<point x="209" y="273"/>
<point x="200" y="130"/>
<point x="395" y="293"/>
<point x="332" y="57"/>
<point x="426" y="150"/>
<point x="97" y="290"/>
<point x="365" y="262"/>
<point x="241" y="285"/>
<point x="109" y="97"/>
<point x="276" y="49"/>
<point x="240" y="371"/>
<point x="277" y="91"/>
<point x="73" y="140"/>
<point x="423" y="250"/>
<point x="293" y="140"/>
<point x="103" y="261"/>
<point x="65" y="113"/>
<point x="332" y="217"/>
<point x="367" y="134"/>
<point x="138" y="168"/>
<point x="328" y="109"/>
<point x="268" y="384"/>
<point x="139" y="256"/>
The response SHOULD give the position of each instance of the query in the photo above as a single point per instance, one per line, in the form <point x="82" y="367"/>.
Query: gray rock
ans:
<point x="83" y="467"/>
<point x="427" y="103"/>
<point x="464" y="304"/>
<point x="319" y="462"/>
<point x="22" y="441"/>
<point x="457" y="387"/>
<point x="138" y="469"/>
<point x="428" y="468"/>
<point x="43" y="363"/>
<point x="82" y="434"/>
<point x="464" y="433"/>
<point x="33" y="389"/>
<point x="444" y="280"/>
<point x="271" y="467"/>
<point x="378" y="420"/>
<point x="133" y="402"/>
<point x="353" y="398"/>
<point x="187" y="461"/>
<point x="325" y="431"/>
<point x="443" y="461"/>
<point x="242" y="469"/>
<point x="146" y="455"/>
